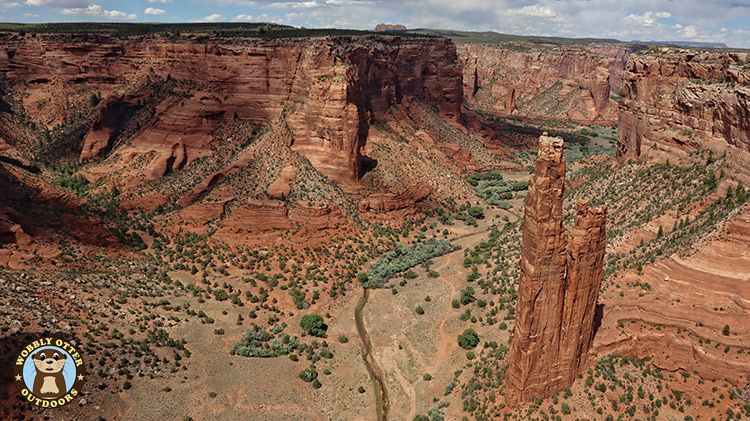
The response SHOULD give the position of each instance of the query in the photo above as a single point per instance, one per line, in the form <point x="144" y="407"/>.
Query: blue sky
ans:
<point x="689" y="20"/>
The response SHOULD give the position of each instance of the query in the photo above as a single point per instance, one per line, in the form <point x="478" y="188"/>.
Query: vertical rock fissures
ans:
<point x="558" y="286"/>
<point x="327" y="89"/>
<point x="675" y="102"/>
<point x="583" y="280"/>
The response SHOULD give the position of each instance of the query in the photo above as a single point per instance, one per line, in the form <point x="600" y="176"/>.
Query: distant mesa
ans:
<point x="386" y="27"/>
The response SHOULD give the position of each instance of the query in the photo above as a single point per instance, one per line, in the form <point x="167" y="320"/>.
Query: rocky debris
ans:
<point x="317" y="218"/>
<point x="10" y="231"/>
<point x="676" y="101"/>
<point x="265" y="219"/>
<point x="258" y="216"/>
<point x="387" y="202"/>
<point x="384" y="27"/>
<point x="558" y="287"/>
<point x="197" y="217"/>
<point x="282" y="186"/>
<point x="688" y="334"/>
<point x="542" y="81"/>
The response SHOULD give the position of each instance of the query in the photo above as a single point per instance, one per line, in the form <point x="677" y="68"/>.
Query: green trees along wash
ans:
<point x="403" y="258"/>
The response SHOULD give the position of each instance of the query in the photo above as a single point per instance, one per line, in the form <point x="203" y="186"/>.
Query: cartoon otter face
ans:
<point x="49" y="361"/>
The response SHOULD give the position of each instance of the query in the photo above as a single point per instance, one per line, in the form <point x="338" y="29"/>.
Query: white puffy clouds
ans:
<point x="79" y="8"/>
<point x="96" y="10"/>
<point x="533" y="10"/>
<point x="295" y="4"/>
<point x="57" y="3"/>
<point x="649" y="18"/>
<point x="688" y="32"/>
<point x="644" y="20"/>
<point x="152" y="11"/>
<point x="9" y="5"/>
<point x="243" y="18"/>
<point x="212" y="18"/>
<point x="701" y="20"/>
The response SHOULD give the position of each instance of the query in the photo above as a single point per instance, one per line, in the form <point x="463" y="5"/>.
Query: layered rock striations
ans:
<point x="328" y="89"/>
<point x="387" y="202"/>
<point x="675" y="102"/>
<point x="558" y="287"/>
<point x="570" y="82"/>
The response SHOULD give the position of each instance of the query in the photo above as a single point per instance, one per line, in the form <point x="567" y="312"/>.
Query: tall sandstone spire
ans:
<point x="558" y="287"/>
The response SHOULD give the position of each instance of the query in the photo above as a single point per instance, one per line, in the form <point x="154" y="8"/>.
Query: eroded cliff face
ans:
<point x="676" y="102"/>
<point x="558" y="287"/>
<point x="328" y="89"/>
<point x="576" y="83"/>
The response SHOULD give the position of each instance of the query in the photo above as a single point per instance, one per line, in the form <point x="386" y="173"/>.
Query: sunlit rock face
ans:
<point x="549" y="82"/>
<point x="327" y="89"/>
<point x="559" y="285"/>
<point x="677" y="102"/>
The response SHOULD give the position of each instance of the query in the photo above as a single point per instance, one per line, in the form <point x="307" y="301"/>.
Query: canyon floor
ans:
<point x="415" y="355"/>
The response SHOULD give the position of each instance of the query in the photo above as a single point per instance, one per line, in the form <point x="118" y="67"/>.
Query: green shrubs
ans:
<point x="476" y="212"/>
<point x="220" y="294"/>
<point x="419" y="310"/>
<point x="495" y="191"/>
<point x="326" y="353"/>
<point x="469" y="339"/>
<point x="258" y="342"/>
<point x="309" y="374"/>
<point x="314" y="325"/>
<point x="565" y="408"/>
<point x="467" y="295"/>
<point x="74" y="182"/>
<point x="403" y="258"/>
<point x="487" y="176"/>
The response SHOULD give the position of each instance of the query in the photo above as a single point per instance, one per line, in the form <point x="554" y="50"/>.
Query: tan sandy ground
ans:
<point x="250" y="388"/>
<point x="407" y="345"/>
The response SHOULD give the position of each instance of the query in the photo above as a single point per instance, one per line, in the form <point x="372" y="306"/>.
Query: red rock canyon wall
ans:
<point x="576" y="82"/>
<point x="675" y="102"/>
<point x="329" y="89"/>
